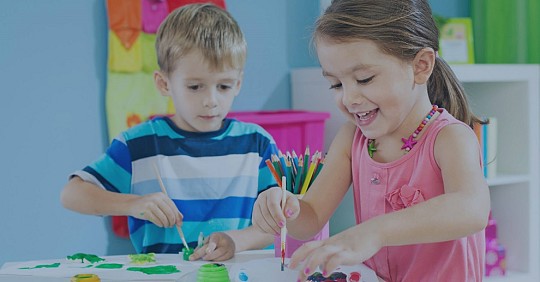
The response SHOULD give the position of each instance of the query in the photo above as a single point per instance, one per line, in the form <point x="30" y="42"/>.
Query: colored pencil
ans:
<point x="180" y="232"/>
<point x="309" y="174"/>
<point x="298" y="179"/>
<point x="273" y="171"/>
<point x="298" y="169"/>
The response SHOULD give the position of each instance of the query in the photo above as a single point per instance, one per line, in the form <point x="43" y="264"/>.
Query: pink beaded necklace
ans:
<point x="408" y="143"/>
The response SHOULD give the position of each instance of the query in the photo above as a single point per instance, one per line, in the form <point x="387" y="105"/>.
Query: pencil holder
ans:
<point x="292" y="244"/>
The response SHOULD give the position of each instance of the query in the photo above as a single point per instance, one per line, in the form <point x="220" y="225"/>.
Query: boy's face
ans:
<point x="202" y="96"/>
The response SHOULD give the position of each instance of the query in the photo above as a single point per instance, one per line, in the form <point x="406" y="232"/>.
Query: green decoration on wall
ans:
<point x="506" y="32"/>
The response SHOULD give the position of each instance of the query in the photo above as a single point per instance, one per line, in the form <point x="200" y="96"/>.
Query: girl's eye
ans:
<point x="365" y="81"/>
<point x="194" y="87"/>
<point x="335" y="86"/>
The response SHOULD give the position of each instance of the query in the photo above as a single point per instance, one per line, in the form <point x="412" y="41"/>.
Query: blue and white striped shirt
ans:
<point x="212" y="177"/>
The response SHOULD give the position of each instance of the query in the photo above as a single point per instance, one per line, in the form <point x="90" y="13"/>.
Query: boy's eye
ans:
<point x="365" y="81"/>
<point x="224" y="87"/>
<point x="194" y="87"/>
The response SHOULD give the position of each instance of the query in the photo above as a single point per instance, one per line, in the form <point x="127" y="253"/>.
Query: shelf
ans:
<point x="507" y="179"/>
<point x="510" y="277"/>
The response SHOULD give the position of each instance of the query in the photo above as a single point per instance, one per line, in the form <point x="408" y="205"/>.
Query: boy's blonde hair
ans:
<point x="205" y="28"/>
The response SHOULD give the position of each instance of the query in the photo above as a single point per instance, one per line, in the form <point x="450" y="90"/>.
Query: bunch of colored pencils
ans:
<point x="300" y="170"/>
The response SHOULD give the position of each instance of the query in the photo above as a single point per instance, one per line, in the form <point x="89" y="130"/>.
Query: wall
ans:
<point x="52" y="85"/>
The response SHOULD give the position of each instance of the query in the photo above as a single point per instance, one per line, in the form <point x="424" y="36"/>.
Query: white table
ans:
<point x="259" y="265"/>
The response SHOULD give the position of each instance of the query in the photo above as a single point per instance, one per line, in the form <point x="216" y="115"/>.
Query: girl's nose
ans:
<point x="351" y="97"/>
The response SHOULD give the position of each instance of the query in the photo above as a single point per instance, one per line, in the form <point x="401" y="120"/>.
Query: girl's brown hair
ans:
<point x="401" y="28"/>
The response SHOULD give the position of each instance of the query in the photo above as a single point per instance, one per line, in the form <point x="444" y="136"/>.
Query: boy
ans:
<point x="212" y="167"/>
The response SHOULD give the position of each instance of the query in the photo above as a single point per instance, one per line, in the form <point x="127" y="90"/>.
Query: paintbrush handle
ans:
<point x="180" y="232"/>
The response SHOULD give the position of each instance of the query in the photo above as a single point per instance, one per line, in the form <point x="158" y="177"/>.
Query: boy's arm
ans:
<point x="250" y="238"/>
<point x="85" y="197"/>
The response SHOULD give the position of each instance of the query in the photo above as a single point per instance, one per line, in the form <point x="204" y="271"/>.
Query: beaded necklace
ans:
<point x="408" y="143"/>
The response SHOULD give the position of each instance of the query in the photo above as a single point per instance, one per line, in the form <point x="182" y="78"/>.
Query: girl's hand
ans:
<point x="157" y="208"/>
<point x="217" y="247"/>
<point x="350" y="247"/>
<point x="268" y="215"/>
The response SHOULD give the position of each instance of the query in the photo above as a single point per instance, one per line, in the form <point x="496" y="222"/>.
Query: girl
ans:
<point x="421" y="201"/>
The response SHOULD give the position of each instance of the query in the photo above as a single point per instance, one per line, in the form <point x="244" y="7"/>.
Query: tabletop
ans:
<point x="259" y="265"/>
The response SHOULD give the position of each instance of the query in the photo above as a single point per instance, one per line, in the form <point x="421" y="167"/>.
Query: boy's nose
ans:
<point x="210" y="100"/>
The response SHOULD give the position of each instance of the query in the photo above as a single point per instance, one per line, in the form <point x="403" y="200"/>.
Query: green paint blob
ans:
<point x="187" y="253"/>
<point x="215" y="272"/>
<point x="52" y="265"/>
<point x="89" y="257"/>
<point x="160" y="269"/>
<point x="142" y="258"/>
<point x="110" y="265"/>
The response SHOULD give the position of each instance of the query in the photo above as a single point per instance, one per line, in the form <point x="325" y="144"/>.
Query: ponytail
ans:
<point x="446" y="91"/>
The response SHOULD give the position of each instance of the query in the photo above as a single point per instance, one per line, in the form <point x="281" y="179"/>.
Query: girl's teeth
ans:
<point x="363" y="115"/>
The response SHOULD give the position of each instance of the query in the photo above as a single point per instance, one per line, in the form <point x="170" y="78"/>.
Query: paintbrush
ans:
<point x="158" y="175"/>
<point x="284" y="228"/>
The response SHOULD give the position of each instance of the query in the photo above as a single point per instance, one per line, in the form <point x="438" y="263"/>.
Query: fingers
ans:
<point x="159" y="209"/>
<point x="318" y="259"/>
<point x="324" y="256"/>
<point x="292" y="207"/>
<point x="268" y="214"/>
<point x="303" y="252"/>
<point x="218" y="247"/>
<point x="198" y="253"/>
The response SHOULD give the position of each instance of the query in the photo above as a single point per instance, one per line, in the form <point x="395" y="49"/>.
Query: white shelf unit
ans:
<point x="511" y="94"/>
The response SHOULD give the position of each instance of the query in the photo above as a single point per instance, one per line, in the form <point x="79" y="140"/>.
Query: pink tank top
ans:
<point x="381" y="188"/>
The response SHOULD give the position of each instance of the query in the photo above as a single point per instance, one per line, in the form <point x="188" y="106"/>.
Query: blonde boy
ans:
<point x="213" y="167"/>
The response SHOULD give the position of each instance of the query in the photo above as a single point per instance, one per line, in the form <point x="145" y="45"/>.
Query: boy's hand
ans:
<point x="217" y="247"/>
<point x="157" y="208"/>
<point x="268" y="215"/>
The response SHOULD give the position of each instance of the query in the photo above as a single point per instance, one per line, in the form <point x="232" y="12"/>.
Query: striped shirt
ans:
<point x="212" y="177"/>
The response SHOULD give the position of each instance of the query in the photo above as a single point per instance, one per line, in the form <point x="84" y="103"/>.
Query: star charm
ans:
<point x="409" y="143"/>
<point x="371" y="147"/>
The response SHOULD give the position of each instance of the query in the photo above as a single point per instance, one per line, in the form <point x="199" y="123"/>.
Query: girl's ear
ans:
<point x="162" y="83"/>
<point x="423" y="65"/>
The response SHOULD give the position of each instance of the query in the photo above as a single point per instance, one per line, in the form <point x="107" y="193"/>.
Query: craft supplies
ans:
<point x="301" y="171"/>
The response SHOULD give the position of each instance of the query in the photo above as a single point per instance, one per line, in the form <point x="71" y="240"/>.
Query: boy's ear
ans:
<point x="239" y="83"/>
<point x="423" y="65"/>
<point x="161" y="82"/>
